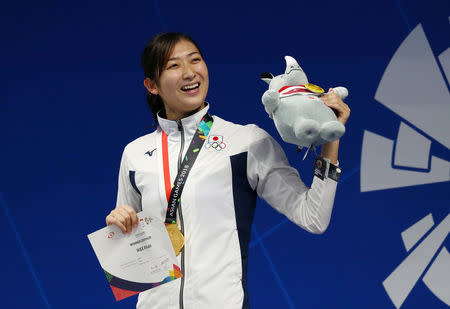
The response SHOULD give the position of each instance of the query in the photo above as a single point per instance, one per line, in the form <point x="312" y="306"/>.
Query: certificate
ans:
<point x="138" y="261"/>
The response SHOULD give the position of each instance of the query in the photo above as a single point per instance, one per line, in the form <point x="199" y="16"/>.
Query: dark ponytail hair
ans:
<point x="154" y="58"/>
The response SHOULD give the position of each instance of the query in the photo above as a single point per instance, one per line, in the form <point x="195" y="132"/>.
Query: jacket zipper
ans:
<point x="180" y="214"/>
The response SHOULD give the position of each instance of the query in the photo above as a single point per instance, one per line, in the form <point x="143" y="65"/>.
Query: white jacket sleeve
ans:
<point x="126" y="194"/>
<point x="279" y="184"/>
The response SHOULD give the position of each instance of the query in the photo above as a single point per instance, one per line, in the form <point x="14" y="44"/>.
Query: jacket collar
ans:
<point x="190" y="123"/>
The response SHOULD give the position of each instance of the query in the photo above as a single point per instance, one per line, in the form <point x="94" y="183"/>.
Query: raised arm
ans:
<point x="279" y="184"/>
<point x="342" y="111"/>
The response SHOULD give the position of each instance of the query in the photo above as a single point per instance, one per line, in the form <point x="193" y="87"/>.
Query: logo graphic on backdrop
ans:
<point x="414" y="87"/>
<point x="400" y="282"/>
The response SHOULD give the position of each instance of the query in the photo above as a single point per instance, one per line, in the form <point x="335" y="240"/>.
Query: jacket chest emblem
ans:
<point x="215" y="142"/>
<point x="150" y="153"/>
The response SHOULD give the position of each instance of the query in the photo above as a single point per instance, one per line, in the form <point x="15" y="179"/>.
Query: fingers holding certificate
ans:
<point x="124" y="217"/>
<point x="141" y="259"/>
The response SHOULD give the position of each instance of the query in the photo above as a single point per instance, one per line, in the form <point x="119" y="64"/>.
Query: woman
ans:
<point x="235" y="164"/>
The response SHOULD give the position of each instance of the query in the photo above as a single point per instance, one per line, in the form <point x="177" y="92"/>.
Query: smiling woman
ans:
<point x="180" y="78"/>
<point x="204" y="180"/>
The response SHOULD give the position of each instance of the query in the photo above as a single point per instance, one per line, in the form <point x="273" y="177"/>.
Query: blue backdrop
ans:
<point x="72" y="97"/>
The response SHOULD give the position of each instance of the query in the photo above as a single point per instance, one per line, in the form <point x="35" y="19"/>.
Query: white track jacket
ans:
<point x="217" y="205"/>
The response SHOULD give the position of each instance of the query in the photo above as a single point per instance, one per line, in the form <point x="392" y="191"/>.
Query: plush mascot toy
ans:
<point x="295" y="106"/>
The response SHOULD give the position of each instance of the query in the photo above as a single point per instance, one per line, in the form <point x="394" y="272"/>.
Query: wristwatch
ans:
<point x="323" y="168"/>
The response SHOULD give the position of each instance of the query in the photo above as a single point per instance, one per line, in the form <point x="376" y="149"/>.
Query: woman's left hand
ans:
<point x="333" y="101"/>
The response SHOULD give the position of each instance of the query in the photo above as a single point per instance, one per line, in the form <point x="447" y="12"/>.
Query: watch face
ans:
<point x="320" y="167"/>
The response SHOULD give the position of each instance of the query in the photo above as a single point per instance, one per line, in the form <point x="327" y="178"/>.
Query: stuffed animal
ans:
<point x="299" y="114"/>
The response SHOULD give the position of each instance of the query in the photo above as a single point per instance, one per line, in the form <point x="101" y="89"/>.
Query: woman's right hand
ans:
<point x="124" y="217"/>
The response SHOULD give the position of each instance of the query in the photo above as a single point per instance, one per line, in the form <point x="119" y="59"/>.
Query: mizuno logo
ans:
<point x="150" y="153"/>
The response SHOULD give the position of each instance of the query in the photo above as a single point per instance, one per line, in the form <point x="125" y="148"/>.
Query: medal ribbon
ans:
<point x="174" y="194"/>
<point x="293" y="89"/>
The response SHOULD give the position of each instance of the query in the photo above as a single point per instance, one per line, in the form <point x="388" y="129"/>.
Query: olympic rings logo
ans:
<point x="215" y="142"/>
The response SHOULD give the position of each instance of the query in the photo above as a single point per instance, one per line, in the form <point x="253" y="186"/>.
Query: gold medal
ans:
<point x="176" y="237"/>
<point x="314" y="88"/>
